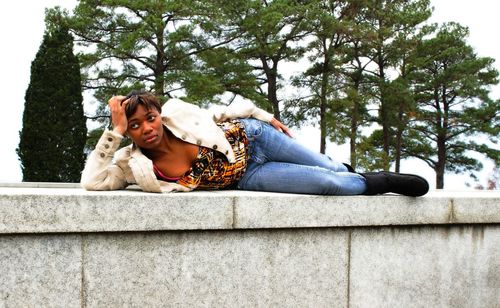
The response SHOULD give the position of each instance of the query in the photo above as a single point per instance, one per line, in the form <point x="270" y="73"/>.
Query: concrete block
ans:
<point x="468" y="209"/>
<point x="41" y="210"/>
<point x="288" y="210"/>
<point x="75" y="210"/>
<point x="425" y="267"/>
<point x="40" y="271"/>
<point x="272" y="210"/>
<point x="252" y="268"/>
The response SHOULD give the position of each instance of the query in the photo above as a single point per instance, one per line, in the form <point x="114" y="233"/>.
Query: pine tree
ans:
<point x="265" y="35"/>
<point x="455" y="113"/>
<point x="388" y="20"/>
<point x="54" y="127"/>
<point x="331" y="27"/>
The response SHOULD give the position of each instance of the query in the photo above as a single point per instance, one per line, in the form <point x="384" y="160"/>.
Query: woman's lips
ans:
<point x="150" y="139"/>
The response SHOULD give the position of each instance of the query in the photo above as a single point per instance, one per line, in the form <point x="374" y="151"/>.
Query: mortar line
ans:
<point x="451" y="216"/>
<point x="349" y="238"/>
<point x="233" y="207"/>
<point x="83" y="299"/>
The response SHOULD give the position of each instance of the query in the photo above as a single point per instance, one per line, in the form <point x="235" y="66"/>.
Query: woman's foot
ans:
<point x="399" y="183"/>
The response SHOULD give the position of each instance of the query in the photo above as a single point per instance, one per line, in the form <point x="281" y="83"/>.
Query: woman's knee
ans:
<point x="327" y="186"/>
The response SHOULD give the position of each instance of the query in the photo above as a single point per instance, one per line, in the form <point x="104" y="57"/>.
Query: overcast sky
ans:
<point x="22" y="26"/>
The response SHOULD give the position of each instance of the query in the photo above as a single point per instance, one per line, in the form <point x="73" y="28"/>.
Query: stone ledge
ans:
<point x="30" y="208"/>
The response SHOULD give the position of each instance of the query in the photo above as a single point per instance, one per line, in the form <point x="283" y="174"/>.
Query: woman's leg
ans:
<point x="301" y="179"/>
<point x="279" y="163"/>
<point x="269" y="145"/>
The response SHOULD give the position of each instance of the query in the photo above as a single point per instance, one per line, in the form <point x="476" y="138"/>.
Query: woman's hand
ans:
<point x="118" y="117"/>
<point x="281" y="127"/>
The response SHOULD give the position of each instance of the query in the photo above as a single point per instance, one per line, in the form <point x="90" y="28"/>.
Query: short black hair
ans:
<point x="140" y="97"/>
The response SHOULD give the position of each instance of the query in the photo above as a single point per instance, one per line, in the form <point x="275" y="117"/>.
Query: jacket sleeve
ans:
<point x="99" y="172"/>
<point x="243" y="109"/>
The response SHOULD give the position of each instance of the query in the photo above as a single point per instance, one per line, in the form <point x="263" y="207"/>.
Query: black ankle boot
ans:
<point x="349" y="167"/>
<point x="399" y="183"/>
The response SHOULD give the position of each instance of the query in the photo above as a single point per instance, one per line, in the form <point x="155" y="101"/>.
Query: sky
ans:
<point x="22" y="27"/>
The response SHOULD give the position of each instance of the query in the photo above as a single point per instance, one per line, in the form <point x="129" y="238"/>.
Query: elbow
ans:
<point x="86" y="184"/>
<point x="89" y="182"/>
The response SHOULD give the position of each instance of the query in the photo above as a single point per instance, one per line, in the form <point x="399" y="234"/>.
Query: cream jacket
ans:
<point x="108" y="168"/>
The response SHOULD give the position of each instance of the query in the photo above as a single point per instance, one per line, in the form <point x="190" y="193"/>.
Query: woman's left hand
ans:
<point x="281" y="127"/>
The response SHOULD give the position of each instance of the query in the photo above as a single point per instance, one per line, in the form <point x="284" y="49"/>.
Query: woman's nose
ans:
<point x="147" y="128"/>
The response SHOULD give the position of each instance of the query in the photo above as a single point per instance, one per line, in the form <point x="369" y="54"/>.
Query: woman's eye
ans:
<point x="134" y="126"/>
<point x="152" y="118"/>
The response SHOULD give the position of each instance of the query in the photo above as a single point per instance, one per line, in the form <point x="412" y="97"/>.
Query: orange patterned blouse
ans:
<point x="211" y="169"/>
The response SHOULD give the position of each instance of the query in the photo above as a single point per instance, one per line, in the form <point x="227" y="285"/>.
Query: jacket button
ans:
<point x="198" y="142"/>
<point x="102" y="155"/>
<point x="214" y="147"/>
<point x="106" y="146"/>
<point x="183" y="137"/>
<point x="110" y="139"/>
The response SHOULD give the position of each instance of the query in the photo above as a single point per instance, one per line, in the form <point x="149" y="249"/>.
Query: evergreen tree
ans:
<point x="388" y="20"/>
<point x="454" y="110"/>
<point x="153" y="45"/>
<point x="148" y="45"/>
<point x="358" y="89"/>
<point x="264" y="34"/>
<point x="54" y="127"/>
<point x="331" y="26"/>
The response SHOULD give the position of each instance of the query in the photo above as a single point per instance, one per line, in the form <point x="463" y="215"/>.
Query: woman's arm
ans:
<point x="247" y="109"/>
<point x="99" y="172"/>
<point x="243" y="109"/>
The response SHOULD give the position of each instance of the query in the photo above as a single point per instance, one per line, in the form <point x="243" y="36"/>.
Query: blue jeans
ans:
<point x="278" y="163"/>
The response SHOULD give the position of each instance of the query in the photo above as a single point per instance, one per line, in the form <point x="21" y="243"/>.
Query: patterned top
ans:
<point x="211" y="169"/>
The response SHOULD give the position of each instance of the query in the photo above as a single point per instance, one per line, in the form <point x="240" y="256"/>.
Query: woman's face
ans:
<point x="145" y="128"/>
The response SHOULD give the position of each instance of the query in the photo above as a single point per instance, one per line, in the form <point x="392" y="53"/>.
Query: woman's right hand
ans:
<point x="118" y="117"/>
<point x="281" y="127"/>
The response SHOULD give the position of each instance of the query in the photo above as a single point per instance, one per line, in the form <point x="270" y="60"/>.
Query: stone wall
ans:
<point x="65" y="247"/>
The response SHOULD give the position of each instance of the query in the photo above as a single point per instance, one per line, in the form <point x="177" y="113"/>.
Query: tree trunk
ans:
<point x="440" y="167"/>
<point x="384" y="116"/>
<point x="160" y="64"/>
<point x="322" y="125"/>
<point x="398" y="151"/>
<point x="323" y="102"/>
<point x="399" y="138"/>
<point x="272" y="85"/>
<point x="383" y="105"/>
<point x="354" y="124"/>
<point x="352" y="144"/>
<point x="272" y="95"/>
<point x="441" y="139"/>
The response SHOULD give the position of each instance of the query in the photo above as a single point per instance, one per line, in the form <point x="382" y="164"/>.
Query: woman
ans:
<point x="240" y="146"/>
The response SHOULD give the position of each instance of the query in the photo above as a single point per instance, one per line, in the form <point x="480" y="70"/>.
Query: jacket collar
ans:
<point x="142" y="169"/>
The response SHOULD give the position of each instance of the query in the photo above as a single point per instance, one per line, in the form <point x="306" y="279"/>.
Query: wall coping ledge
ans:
<point x="65" y="208"/>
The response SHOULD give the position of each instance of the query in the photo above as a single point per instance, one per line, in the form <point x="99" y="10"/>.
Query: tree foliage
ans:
<point x="54" y="127"/>
<point x="453" y="105"/>
<point x="331" y="34"/>
<point x="390" y="22"/>
<point x="263" y="35"/>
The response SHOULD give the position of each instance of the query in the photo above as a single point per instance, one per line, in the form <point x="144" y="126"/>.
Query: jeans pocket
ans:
<point x="253" y="128"/>
<point x="253" y="131"/>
